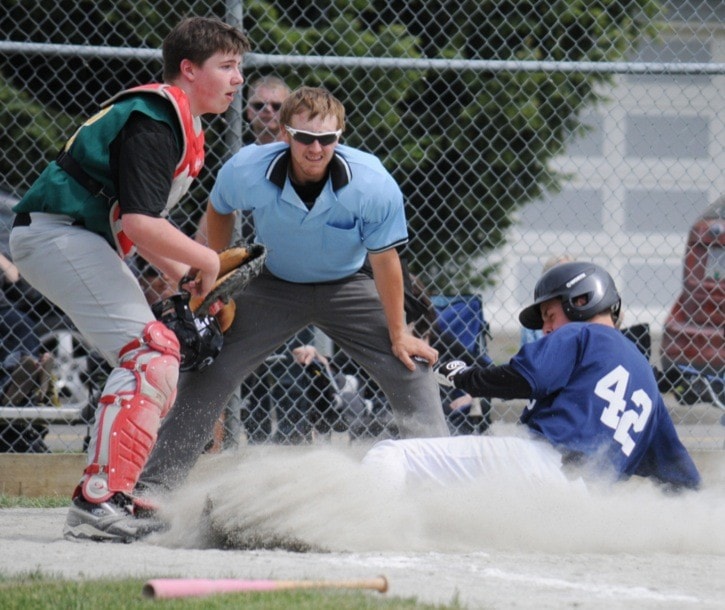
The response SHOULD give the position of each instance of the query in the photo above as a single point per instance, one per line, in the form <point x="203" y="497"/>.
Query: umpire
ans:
<point x="320" y="208"/>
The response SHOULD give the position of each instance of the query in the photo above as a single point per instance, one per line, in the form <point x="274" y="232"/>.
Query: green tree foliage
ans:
<point x="25" y="126"/>
<point x="487" y="138"/>
<point x="468" y="147"/>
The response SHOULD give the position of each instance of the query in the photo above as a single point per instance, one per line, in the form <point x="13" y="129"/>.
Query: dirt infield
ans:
<point x="498" y="545"/>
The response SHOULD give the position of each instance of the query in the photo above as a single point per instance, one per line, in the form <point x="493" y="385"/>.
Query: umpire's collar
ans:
<point x="340" y="171"/>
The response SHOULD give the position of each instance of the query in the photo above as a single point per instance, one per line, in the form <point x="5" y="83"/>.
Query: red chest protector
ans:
<point x="192" y="154"/>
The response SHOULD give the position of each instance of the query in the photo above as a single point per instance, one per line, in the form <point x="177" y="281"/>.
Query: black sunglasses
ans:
<point x="308" y="137"/>
<point x="257" y="106"/>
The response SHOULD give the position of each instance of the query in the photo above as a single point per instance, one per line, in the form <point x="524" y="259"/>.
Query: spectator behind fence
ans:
<point x="25" y="373"/>
<point x="104" y="196"/>
<point x="594" y="409"/>
<point x="265" y="98"/>
<point x="266" y="95"/>
<point x="19" y="338"/>
<point x="320" y="208"/>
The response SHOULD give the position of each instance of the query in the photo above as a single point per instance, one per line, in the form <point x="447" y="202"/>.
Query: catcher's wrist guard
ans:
<point x="238" y="266"/>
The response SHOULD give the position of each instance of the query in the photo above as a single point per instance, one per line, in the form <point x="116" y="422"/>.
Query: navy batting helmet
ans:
<point x="569" y="282"/>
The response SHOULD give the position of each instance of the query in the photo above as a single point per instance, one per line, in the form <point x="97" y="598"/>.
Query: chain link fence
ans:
<point x="518" y="131"/>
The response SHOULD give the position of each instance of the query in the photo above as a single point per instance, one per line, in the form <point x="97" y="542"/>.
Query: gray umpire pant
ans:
<point x="269" y="312"/>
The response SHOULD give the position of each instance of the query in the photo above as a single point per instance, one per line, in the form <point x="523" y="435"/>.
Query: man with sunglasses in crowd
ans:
<point x="320" y="208"/>
<point x="266" y="95"/>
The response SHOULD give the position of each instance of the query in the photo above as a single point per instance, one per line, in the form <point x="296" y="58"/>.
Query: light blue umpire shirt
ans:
<point x="359" y="210"/>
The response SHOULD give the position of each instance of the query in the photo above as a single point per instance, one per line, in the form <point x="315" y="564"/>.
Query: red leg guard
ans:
<point x="138" y="394"/>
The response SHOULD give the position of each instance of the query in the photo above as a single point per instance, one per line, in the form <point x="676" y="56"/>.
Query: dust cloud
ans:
<point x="321" y="498"/>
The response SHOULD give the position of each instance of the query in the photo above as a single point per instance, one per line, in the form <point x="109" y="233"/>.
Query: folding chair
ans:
<point x="462" y="317"/>
<point x="464" y="332"/>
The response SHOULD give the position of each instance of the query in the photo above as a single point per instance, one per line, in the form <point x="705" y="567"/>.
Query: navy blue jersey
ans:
<point x="594" y="395"/>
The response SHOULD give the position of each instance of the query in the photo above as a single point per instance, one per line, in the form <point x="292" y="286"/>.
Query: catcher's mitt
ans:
<point x="238" y="265"/>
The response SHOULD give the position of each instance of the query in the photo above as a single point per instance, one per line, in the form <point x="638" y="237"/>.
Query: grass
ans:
<point x="38" y="592"/>
<point x="7" y="501"/>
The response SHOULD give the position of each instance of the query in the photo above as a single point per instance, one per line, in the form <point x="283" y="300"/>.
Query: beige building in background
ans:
<point x="651" y="163"/>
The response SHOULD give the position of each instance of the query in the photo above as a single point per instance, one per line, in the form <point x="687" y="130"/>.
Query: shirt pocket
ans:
<point x="342" y="246"/>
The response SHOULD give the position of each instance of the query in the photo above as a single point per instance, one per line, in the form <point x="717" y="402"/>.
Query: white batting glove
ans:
<point x="446" y="371"/>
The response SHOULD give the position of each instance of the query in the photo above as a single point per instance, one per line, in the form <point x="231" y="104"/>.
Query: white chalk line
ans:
<point x="614" y="591"/>
<point x="396" y="561"/>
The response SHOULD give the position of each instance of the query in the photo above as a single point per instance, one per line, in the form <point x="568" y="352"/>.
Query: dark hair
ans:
<point x="197" y="39"/>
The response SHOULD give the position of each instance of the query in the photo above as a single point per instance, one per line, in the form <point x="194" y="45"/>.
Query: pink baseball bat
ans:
<point x="168" y="588"/>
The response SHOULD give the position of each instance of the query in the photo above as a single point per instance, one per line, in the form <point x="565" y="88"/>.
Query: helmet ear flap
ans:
<point x="200" y="337"/>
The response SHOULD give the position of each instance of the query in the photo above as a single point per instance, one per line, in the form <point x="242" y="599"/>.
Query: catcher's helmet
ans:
<point x="200" y="337"/>
<point x="569" y="281"/>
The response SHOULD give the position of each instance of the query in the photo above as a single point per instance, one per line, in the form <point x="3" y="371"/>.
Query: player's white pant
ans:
<point x="460" y="459"/>
<point x="81" y="273"/>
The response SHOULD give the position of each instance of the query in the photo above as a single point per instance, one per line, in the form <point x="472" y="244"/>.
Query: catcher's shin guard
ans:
<point x="138" y="394"/>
